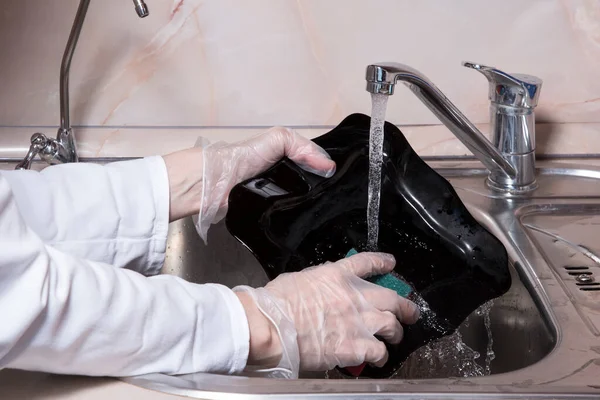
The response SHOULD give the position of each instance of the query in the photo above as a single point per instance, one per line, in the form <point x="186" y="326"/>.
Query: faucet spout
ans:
<point x="382" y="79"/>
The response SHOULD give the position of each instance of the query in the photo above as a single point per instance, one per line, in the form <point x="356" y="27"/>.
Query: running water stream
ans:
<point x="379" y="106"/>
<point x="487" y="322"/>
<point x="451" y="352"/>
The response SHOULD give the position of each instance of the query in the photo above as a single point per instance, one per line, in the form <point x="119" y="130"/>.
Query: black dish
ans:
<point x="291" y="219"/>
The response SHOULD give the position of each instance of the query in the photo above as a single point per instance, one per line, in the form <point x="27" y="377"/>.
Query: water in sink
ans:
<point x="451" y="354"/>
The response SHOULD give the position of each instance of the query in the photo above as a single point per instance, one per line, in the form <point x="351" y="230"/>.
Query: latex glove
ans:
<point x="327" y="316"/>
<point x="226" y="165"/>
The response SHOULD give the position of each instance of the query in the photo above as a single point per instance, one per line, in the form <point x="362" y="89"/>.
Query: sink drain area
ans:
<point x="584" y="278"/>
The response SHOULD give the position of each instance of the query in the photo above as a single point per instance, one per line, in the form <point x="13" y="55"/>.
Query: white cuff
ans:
<point x="160" y="190"/>
<point x="239" y="332"/>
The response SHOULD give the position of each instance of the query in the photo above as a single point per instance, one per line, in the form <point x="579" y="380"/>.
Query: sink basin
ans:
<point x="520" y="332"/>
<point x="537" y="339"/>
<point x="545" y="330"/>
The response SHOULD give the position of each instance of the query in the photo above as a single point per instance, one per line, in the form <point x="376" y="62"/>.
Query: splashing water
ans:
<point x="449" y="355"/>
<point x="490" y="355"/>
<point x="379" y="106"/>
<point x="428" y="316"/>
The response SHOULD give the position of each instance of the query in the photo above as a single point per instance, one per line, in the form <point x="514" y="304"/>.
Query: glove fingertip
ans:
<point x="328" y="173"/>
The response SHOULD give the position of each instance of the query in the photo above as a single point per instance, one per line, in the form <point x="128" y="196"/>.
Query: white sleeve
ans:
<point x="66" y="315"/>
<point x="116" y="214"/>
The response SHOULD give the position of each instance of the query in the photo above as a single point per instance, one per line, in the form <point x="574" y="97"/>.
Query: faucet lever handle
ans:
<point x="38" y="142"/>
<point x="513" y="90"/>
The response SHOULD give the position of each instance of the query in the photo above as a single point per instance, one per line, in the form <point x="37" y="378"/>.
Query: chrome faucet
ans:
<point x="63" y="149"/>
<point x="511" y="157"/>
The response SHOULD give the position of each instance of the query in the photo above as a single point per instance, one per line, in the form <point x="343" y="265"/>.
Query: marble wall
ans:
<point x="226" y="69"/>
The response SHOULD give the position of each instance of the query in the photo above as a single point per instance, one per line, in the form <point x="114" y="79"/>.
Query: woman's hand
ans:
<point x="201" y="178"/>
<point x="326" y="316"/>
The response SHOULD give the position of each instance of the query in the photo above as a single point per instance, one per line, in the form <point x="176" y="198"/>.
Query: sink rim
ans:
<point x="352" y="389"/>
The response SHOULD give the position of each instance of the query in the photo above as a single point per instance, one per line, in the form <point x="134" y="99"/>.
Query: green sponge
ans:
<point x="389" y="280"/>
<point x="392" y="282"/>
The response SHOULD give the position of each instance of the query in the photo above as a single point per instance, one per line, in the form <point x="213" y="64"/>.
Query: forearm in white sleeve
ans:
<point x="117" y="213"/>
<point x="62" y="314"/>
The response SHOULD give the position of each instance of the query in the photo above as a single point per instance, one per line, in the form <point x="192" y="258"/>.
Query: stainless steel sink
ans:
<point x="545" y="331"/>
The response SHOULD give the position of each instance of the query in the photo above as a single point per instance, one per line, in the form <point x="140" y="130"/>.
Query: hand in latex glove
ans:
<point x="226" y="165"/>
<point x="327" y="316"/>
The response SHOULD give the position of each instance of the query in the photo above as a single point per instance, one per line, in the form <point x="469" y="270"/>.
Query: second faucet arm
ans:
<point x="65" y="67"/>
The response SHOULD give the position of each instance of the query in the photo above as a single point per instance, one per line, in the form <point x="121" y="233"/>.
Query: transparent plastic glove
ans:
<point x="327" y="316"/>
<point x="225" y="165"/>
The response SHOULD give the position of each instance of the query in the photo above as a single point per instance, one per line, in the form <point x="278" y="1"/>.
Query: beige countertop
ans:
<point x="23" y="385"/>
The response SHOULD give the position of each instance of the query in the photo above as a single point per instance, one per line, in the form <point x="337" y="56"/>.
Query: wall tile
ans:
<point x="270" y="62"/>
